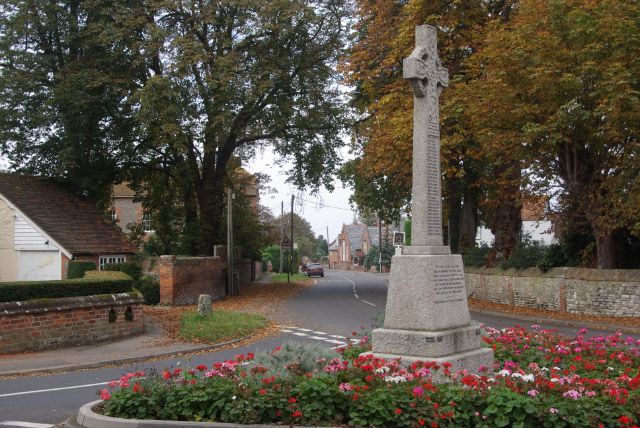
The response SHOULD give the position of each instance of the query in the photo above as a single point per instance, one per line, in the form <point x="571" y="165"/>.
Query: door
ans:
<point x="39" y="265"/>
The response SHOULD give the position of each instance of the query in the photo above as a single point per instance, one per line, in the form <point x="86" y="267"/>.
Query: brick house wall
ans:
<point x="50" y="323"/>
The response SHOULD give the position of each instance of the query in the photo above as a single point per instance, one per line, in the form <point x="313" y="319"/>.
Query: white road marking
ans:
<point x="304" y="329"/>
<point x="336" y="342"/>
<point x="36" y="391"/>
<point x="337" y="336"/>
<point x="317" y="337"/>
<point x="356" y="296"/>
<point x="300" y="334"/>
<point x="320" y="332"/>
<point x="286" y="331"/>
<point x="25" y="424"/>
<point x="369" y="303"/>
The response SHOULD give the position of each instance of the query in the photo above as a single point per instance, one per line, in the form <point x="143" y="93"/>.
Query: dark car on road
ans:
<point x="314" y="269"/>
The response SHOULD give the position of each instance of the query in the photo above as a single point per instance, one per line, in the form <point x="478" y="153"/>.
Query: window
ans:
<point x="146" y="222"/>
<point x="110" y="260"/>
<point x="113" y="215"/>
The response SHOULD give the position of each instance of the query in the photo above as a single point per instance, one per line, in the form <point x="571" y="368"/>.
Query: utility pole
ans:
<point x="281" y="234"/>
<point x="230" y="266"/>
<point x="380" y="242"/>
<point x="291" y="259"/>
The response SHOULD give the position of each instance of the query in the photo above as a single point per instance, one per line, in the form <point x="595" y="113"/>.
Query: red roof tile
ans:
<point x="71" y="221"/>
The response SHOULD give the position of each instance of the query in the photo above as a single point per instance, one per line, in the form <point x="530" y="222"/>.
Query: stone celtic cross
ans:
<point x="427" y="77"/>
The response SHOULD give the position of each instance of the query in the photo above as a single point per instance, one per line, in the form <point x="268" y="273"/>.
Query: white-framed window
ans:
<point x="110" y="260"/>
<point x="113" y="215"/>
<point x="146" y="222"/>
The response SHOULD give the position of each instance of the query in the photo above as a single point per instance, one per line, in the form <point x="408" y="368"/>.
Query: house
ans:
<point x="537" y="226"/>
<point x="350" y="243"/>
<point x="43" y="225"/>
<point x="127" y="210"/>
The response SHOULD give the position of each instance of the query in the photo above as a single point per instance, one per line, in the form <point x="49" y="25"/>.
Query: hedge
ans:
<point x="77" y="268"/>
<point x="133" y="269"/>
<point x="93" y="282"/>
<point x="149" y="287"/>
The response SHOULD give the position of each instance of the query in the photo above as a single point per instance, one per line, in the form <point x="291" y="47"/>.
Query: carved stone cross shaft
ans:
<point x="427" y="77"/>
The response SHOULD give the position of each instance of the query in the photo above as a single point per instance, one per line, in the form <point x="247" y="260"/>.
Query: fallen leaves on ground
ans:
<point x="630" y="324"/>
<point x="257" y="298"/>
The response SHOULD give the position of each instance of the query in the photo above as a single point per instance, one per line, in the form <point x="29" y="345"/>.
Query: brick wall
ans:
<point x="183" y="279"/>
<point x="50" y="323"/>
<point x="610" y="292"/>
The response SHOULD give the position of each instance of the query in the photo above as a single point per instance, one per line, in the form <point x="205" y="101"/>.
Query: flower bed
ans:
<point x="540" y="379"/>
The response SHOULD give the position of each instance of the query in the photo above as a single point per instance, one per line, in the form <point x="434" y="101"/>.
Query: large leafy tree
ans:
<point x="381" y="175"/>
<point x="63" y="91"/>
<point x="203" y="82"/>
<point x="558" y="86"/>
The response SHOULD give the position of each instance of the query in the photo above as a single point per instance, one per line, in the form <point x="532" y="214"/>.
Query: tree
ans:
<point x="64" y="91"/>
<point x="171" y="91"/>
<point x="303" y="234"/>
<point x="381" y="176"/>
<point x="555" y="86"/>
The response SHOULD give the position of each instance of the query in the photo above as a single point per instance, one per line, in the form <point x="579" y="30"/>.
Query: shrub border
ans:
<point x="87" y="418"/>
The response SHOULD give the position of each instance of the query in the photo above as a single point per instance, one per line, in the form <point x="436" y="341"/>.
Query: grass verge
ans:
<point x="219" y="326"/>
<point x="282" y="277"/>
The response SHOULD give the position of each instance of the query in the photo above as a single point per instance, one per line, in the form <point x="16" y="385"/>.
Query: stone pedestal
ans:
<point x="427" y="317"/>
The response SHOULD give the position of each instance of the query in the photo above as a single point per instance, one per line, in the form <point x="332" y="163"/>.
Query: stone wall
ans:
<point x="49" y="323"/>
<point x="609" y="292"/>
<point x="183" y="279"/>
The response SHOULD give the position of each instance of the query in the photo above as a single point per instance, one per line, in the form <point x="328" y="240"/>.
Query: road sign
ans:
<point x="285" y="244"/>
<point x="398" y="238"/>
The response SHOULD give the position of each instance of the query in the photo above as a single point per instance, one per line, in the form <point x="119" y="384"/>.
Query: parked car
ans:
<point x="315" y="269"/>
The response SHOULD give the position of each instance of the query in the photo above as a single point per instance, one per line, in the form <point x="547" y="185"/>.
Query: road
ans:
<point x="327" y="313"/>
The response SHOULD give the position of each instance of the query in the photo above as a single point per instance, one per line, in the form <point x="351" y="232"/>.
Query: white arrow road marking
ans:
<point x="36" y="391"/>
<point x="25" y="424"/>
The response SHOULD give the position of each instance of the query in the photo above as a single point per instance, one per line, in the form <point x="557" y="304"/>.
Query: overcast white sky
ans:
<point x="323" y="210"/>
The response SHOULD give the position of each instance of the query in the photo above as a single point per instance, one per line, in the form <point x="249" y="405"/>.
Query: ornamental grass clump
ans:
<point x="540" y="379"/>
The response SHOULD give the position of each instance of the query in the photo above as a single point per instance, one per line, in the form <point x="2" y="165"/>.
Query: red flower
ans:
<point x="293" y="400"/>
<point x="177" y="372"/>
<point x="166" y="375"/>
<point x="201" y="367"/>
<point x="397" y="411"/>
<point x="421" y="422"/>
<point x="296" y="414"/>
<point x="262" y="391"/>
<point x="250" y="356"/>
<point x="137" y="388"/>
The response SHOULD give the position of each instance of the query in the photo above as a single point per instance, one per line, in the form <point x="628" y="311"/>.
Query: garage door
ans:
<point x="39" y="265"/>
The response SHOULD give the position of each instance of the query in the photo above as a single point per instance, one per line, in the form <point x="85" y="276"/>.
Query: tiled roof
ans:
<point x="354" y="232"/>
<point x="123" y="190"/>
<point x="374" y="235"/>
<point x="71" y="221"/>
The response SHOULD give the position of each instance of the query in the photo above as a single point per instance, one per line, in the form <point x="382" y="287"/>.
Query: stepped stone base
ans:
<point x="477" y="361"/>
<point x="427" y="316"/>
<point x="426" y="344"/>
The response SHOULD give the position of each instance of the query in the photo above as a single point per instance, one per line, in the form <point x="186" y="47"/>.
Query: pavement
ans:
<point x="153" y="344"/>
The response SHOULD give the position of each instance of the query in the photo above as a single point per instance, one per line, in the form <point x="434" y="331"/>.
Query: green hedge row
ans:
<point x="93" y="282"/>
<point x="77" y="268"/>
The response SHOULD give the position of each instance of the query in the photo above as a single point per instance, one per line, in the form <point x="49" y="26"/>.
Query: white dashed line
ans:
<point x="300" y="334"/>
<point x="334" y="339"/>
<point x="335" y="342"/>
<point x="320" y="332"/>
<point x="284" y="330"/>
<point x="337" y="336"/>
<point x="369" y="303"/>
<point x="304" y="329"/>
<point x="25" y="424"/>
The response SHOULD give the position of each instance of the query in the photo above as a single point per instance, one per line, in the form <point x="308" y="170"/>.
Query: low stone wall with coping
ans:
<point x="606" y="292"/>
<point x="50" y="323"/>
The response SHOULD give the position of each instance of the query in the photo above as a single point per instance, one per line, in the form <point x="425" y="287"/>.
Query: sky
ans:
<point x="322" y="210"/>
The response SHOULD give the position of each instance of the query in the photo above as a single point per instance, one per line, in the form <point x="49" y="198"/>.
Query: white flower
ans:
<point x="554" y="379"/>
<point x="233" y="398"/>
<point x="516" y="374"/>
<point x="610" y="369"/>
<point x="382" y="370"/>
<point x="528" y="378"/>
<point x="395" y="379"/>
<point x="504" y="372"/>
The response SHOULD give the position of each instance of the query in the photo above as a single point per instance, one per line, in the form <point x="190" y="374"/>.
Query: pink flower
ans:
<point x="573" y="394"/>
<point x="553" y="410"/>
<point x="104" y="394"/>
<point x="418" y="391"/>
<point x="346" y="387"/>
<point x="533" y="392"/>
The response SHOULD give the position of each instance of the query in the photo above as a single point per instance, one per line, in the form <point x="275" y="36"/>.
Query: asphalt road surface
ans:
<point x="341" y="302"/>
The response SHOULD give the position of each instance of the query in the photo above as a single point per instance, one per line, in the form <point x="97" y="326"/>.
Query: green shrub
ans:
<point x="77" y="268"/>
<point x="133" y="269"/>
<point x="526" y="255"/>
<point x="93" y="282"/>
<point x="372" y="258"/>
<point x="476" y="256"/>
<point x="295" y="357"/>
<point x="149" y="287"/>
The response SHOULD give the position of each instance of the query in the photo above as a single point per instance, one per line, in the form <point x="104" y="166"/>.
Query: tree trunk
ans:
<point x="506" y="227"/>
<point x="469" y="217"/>
<point x="454" y="209"/>
<point x="609" y="247"/>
